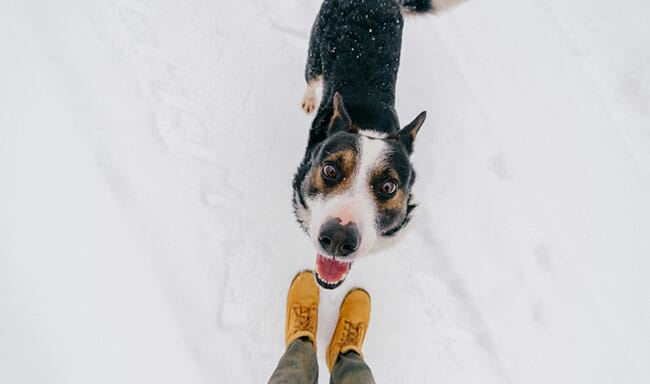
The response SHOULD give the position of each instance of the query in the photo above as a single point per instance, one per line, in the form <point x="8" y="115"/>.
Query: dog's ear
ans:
<point x="407" y="134"/>
<point x="340" y="121"/>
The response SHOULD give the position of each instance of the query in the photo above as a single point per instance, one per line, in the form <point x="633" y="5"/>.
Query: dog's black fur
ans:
<point x="355" y="47"/>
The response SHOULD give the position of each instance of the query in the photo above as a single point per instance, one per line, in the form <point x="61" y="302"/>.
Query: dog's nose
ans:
<point x="337" y="239"/>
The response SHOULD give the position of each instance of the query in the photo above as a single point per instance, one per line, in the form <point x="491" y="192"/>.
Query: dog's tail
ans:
<point x="427" y="6"/>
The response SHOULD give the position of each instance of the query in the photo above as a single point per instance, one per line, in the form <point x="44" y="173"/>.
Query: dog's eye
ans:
<point x="329" y="171"/>
<point x="388" y="188"/>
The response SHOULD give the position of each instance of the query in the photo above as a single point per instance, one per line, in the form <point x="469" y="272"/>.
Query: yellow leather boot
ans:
<point x="302" y="308"/>
<point x="351" y="328"/>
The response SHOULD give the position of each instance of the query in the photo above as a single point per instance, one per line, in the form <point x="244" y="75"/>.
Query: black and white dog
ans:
<point x="353" y="185"/>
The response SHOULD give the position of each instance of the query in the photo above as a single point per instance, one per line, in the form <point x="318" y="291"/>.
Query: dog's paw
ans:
<point x="309" y="98"/>
<point x="308" y="104"/>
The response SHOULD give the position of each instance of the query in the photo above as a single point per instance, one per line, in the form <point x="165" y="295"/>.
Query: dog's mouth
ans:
<point x="330" y="273"/>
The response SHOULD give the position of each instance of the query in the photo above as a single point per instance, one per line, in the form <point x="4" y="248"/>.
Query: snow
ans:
<point x="146" y="156"/>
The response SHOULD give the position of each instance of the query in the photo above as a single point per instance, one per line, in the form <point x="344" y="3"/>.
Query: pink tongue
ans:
<point x="331" y="270"/>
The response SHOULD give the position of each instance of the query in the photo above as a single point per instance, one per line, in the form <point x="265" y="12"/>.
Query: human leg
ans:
<point x="299" y="364"/>
<point x="344" y="356"/>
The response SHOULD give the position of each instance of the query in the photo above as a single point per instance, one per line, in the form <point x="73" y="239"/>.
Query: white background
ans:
<point x="146" y="156"/>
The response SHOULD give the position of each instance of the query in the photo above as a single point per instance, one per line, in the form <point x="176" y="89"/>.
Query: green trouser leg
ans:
<point x="350" y="368"/>
<point x="298" y="365"/>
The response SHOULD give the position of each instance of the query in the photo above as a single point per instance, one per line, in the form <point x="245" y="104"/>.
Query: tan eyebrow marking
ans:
<point x="380" y="172"/>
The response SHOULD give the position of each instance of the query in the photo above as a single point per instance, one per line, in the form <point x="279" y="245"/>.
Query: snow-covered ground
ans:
<point x="146" y="155"/>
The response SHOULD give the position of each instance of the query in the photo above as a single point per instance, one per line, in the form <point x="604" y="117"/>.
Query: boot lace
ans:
<point x="351" y="334"/>
<point x="304" y="319"/>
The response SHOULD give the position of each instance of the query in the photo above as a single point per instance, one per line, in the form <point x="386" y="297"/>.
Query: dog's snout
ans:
<point x="339" y="240"/>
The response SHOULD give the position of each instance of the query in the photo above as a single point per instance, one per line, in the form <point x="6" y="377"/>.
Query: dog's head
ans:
<point x="356" y="190"/>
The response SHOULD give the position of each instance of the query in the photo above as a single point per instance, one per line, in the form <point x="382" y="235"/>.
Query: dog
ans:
<point x="354" y="183"/>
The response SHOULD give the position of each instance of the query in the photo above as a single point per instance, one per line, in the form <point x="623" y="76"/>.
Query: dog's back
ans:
<point x="355" y="46"/>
